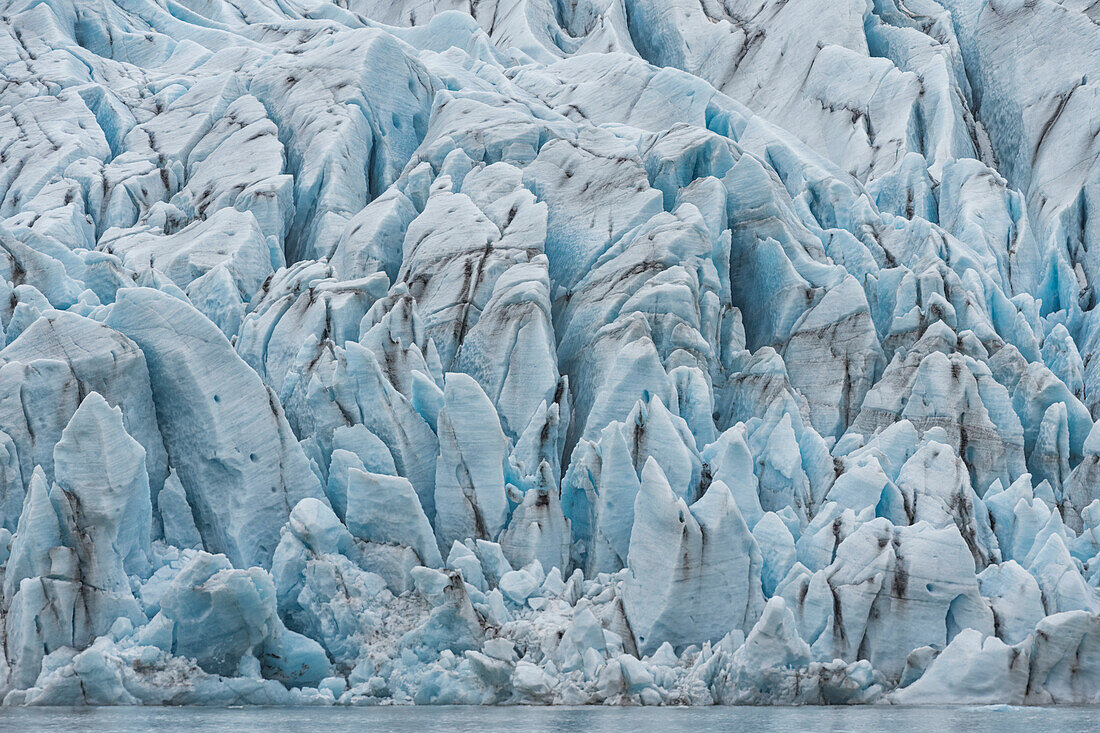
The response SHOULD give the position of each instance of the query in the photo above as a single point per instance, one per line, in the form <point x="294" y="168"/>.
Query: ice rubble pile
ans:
<point x="640" y="351"/>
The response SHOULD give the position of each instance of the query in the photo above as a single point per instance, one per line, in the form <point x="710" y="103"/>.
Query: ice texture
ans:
<point x="549" y="352"/>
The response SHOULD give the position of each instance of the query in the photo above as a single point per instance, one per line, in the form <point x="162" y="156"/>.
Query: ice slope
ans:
<point x="549" y="351"/>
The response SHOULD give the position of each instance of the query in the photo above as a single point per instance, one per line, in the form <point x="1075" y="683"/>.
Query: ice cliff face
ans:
<point x="555" y="351"/>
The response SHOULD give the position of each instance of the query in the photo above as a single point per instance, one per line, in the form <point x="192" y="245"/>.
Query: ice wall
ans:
<point x="549" y="351"/>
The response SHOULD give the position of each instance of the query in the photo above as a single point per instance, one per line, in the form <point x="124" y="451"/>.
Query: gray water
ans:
<point x="993" y="719"/>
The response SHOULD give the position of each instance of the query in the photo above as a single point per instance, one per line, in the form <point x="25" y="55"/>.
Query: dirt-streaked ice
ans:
<point x="549" y="351"/>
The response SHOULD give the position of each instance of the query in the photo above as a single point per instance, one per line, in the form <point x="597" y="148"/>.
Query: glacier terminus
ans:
<point x="642" y="352"/>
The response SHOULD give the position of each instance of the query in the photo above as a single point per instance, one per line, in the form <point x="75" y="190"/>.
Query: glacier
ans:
<point x="639" y="352"/>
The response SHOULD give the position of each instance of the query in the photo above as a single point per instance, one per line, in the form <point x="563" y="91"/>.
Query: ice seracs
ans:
<point x="609" y="351"/>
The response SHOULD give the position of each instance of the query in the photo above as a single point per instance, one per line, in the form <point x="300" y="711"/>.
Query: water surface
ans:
<point x="992" y="719"/>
